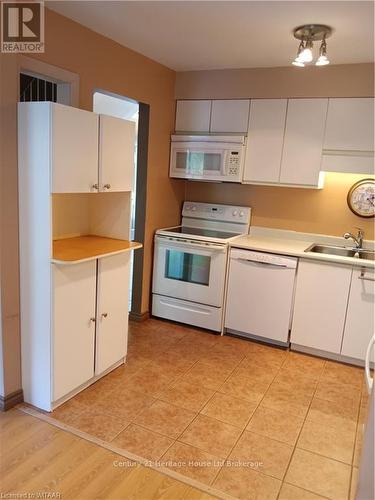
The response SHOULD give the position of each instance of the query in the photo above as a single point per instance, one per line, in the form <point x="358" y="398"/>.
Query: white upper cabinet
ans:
<point x="193" y="116"/>
<point x="116" y="154"/>
<point x="74" y="149"/>
<point x="359" y="326"/>
<point x="112" y="311"/>
<point x="303" y="141"/>
<point x="350" y="125"/>
<point x="230" y="115"/>
<point x="265" y="140"/>
<point x="349" y="137"/>
<point x="320" y="303"/>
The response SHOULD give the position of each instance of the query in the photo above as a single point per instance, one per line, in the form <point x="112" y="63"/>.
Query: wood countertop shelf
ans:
<point x="83" y="248"/>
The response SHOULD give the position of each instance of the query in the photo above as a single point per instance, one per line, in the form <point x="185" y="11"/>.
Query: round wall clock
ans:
<point x="361" y="198"/>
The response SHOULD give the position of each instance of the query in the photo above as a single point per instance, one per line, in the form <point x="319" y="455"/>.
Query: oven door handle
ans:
<point x="167" y="241"/>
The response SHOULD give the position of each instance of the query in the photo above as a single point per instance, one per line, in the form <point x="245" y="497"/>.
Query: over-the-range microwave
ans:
<point x="218" y="158"/>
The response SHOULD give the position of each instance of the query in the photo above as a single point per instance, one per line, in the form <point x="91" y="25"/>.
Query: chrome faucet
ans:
<point x="358" y="240"/>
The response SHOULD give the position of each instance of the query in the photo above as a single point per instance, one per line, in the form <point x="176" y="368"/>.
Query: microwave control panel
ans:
<point x="233" y="163"/>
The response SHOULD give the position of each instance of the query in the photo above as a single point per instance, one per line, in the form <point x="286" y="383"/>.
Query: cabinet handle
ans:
<point x="95" y="186"/>
<point x="93" y="320"/>
<point x="106" y="186"/>
<point x="363" y="277"/>
<point x="104" y="315"/>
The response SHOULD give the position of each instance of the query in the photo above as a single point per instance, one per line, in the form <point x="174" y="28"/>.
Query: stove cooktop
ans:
<point x="197" y="231"/>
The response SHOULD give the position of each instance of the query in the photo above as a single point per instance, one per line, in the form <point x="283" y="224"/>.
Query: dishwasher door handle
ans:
<point x="283" y="266"/>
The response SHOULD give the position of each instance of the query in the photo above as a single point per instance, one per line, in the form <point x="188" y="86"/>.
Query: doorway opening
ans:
<point x="129" y="109"/>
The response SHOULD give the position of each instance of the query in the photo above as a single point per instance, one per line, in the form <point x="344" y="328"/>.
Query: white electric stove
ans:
<point x="190" y="263"/>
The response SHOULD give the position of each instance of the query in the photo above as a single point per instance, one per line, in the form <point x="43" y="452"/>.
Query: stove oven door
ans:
<point x="190" y="270"/>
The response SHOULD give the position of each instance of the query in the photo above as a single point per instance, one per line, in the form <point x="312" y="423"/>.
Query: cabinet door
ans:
<point x="303" y="142"/>
<point x="350" y="125"/>
<point x="116" y="154"/>
<point x="230" y="115"/>
<point x="112" y="311"/>
<point x="320" y="305"/>
<point x="193" y="116"/>
<point x="265" y="140"/>
<point x="74" y="150"/>
<point x="359" y="326"/>
<point x="74" y="289"/>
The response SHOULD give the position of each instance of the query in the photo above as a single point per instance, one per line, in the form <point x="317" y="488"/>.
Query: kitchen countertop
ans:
<point x="294" y="244"/>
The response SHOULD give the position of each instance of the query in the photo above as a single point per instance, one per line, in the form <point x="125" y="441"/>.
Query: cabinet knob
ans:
<point x="95" y="186"/>
<point x="104" y="315"/>
<point x="93" y="320"/>
<point x="106" y="186"/>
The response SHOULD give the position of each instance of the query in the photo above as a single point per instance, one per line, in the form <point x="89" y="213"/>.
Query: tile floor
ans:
<point x="253" y="421"/>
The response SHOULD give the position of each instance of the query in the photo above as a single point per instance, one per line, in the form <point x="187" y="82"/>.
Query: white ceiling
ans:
<point x="195" y="35"/>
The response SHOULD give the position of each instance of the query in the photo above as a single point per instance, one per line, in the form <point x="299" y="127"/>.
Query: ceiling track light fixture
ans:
<point x="307" y="34"/>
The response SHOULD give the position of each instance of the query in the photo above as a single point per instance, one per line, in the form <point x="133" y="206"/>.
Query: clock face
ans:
<point x="361" y="198"/>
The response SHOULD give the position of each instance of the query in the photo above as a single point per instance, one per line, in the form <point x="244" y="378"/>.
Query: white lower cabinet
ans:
<point x="359" y="326"/>
<point x="112" y="311"/>
<point x="74" y="290"/>
<point x="89" y="321"/>
<point x="320" y="305"/>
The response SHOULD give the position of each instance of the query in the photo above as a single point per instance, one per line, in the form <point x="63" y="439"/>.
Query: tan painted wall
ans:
<point x="319" y="211"/>
<point x="100" y="64"/>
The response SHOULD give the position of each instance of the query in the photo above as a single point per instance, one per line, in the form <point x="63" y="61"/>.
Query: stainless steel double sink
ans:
<point x="359" y="253"/>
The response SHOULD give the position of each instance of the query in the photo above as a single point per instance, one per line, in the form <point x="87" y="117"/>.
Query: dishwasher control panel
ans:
<point x="264" y="258"/>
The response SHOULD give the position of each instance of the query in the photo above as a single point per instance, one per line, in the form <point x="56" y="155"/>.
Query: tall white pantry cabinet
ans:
<point x="75" y="178"/>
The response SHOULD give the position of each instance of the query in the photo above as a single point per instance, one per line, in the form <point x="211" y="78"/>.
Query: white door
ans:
<point x="320" y="305"/>
<point x="116" y="154"/>
<point x="230" y="115"/>
<point x="74" y="150"/>
<point x="193" y="116"/>
<point x="303" y="141"/>
<point x="350" y="125"/>
<point x="190" y="270"/>
<point x="265" y="140"/>
<point x="74" y="290"/>
<point x="112" y="311"/>
<point x="359" y="326"/>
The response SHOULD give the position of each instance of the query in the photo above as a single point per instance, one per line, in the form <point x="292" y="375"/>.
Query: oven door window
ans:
<point x="188" y="267"/>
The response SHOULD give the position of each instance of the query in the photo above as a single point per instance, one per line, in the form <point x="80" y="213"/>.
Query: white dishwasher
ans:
<point x="260" y="295"/>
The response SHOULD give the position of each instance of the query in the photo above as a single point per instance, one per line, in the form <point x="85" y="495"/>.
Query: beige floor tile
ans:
<point x="165" y="418"/>
<point x="333" y="442"/>
<point x="211" y="436"/>
<point x="220" y="358"/>
<point x="345" y="374"/>
<point x="68" y="411"/>
<point x="276" y="425"/>
<point x="231" y="410"/>
<point x="363" y="411"/>
<point x="101" y="426"/>
<point x="171" y="364"/>
<point x="354" y="483"/>
<point x="337" y="392"/>
<point x="318" y="474"/>
<point x="266" y="455"/>
<point x="192" y="462"/>
<point x="247" y="484"/>
<point x="266" y="356"/>
<point x="209" y="375"/>
<point x="333" y="413"/>
<point x="303" y="365"/>
<point x="124" y="404"/>
<point x="151" y="380"/>
<point x="186" y="395"/>
<point x="297" y="383"/>
<point x="257" y="374"/>
<point x="142" y="442"/>
<point x="243" y="388"/>
<point x="290" y="492"/>
<point x="358" y="445"/>
<point x="283" y="398"/>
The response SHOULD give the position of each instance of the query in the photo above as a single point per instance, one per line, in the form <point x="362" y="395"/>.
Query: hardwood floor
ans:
<point x="39" y="459"/>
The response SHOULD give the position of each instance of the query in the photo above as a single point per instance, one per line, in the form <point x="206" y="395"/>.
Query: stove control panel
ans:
<point x="224" y="213"/>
